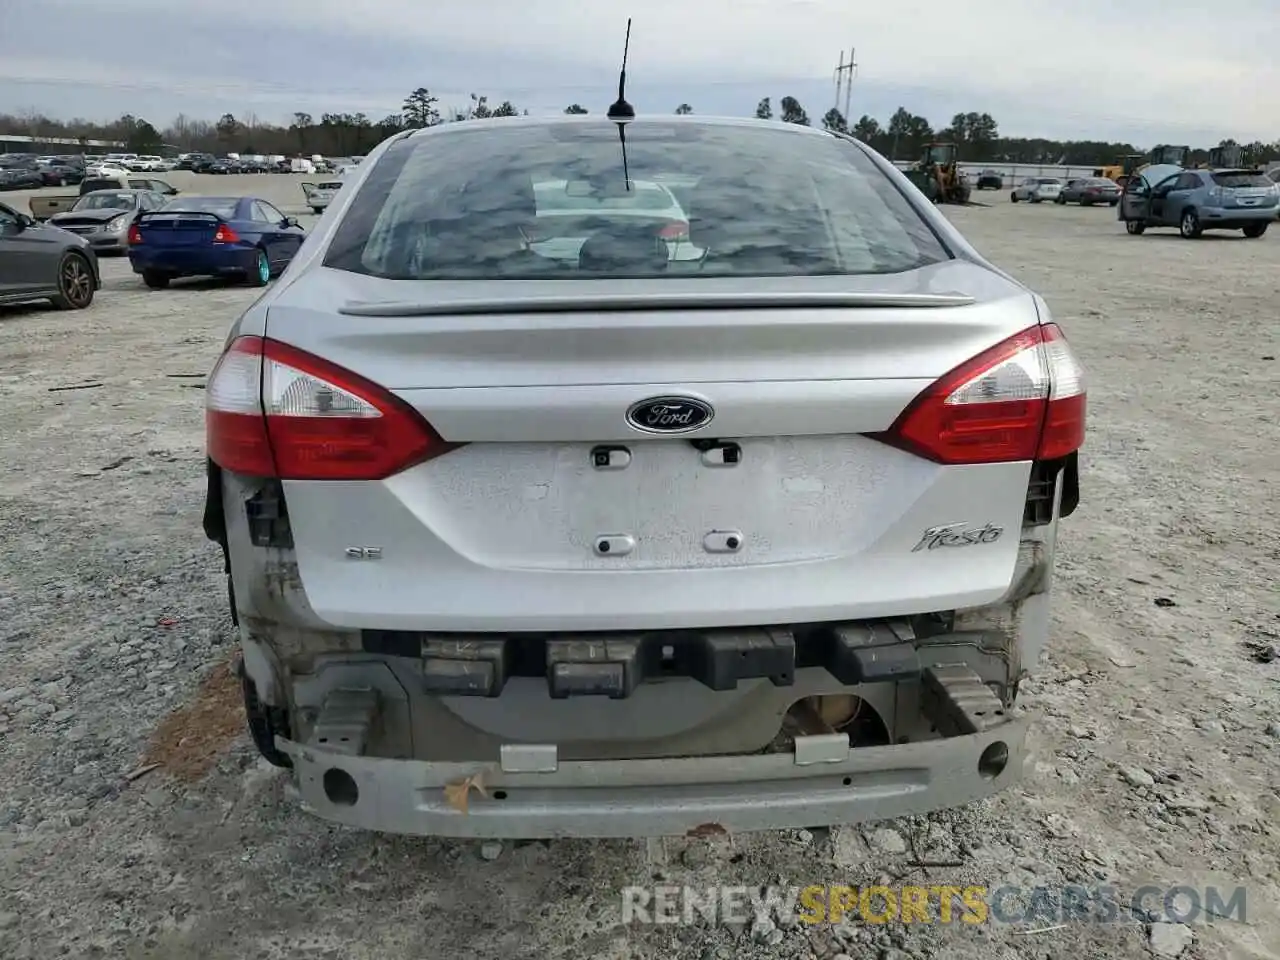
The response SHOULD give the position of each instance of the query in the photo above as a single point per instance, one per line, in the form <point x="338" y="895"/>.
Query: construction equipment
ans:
<point x="1228" y="157"/>
<point x="938" y="174"/>
<point x="1121" y="171"/>
<point x="1159" y="156"/>
<point x="1169" y="154"/>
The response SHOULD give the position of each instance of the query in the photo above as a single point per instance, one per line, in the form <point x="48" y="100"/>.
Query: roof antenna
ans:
<point x="622" y="111"/>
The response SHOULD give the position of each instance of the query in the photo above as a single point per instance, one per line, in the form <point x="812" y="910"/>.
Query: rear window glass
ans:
<point x="553" y="201"/>
<point x="1241" y="179"/>
<point x="330" y="185"/>
<point x="105" y="201"/>
<point x="221" y="206"/>
<point x="1049" y="181"/>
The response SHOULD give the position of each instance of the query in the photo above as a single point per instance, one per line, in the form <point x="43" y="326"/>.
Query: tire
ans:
<point x="1061" y="200"/>
<point x="75" y="282"/>
<point x="260" y="274"/>
<point x="1013" y="197"/>
<point x="1255" y="230"/>
<point x="317" y="210"/>
<point x="1136" y="227"/>
<point x="1189" y="225"/>
<point x="156" y="280"/>
<point x="1113" y="202"/>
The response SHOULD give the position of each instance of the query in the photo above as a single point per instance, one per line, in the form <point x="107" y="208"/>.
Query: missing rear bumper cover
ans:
<point x="614" y="664"/>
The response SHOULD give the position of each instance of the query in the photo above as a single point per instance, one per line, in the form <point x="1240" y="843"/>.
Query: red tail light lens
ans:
<point x="273" y="410"/>
<point x="675" y="230"/>
<point x="225" y="234"/>
<point x="1024" y="399"/>
<point x="135" y="235"/>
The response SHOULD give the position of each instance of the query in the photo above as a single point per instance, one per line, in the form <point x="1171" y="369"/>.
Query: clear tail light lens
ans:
<point x="1024" y="399"/>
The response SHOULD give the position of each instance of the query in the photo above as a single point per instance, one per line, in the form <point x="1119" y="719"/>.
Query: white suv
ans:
<point x="615" y="543"/>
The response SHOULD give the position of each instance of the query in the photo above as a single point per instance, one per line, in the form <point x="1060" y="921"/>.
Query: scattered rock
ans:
<point x="1169" y="939"/>
<point x="1264" y="652"/>
<point x="490" y="850"/>
<point x="1137" y="777"/>
<point x="1273" y="729"/>
<point x="156" y="798"/>
<point x="887" y="840"/>
<point x="762" y="929"/>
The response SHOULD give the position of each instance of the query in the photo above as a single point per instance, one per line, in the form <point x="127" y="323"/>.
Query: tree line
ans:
<point x="902" y="137"/>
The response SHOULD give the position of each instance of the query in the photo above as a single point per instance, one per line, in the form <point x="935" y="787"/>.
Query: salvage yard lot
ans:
<point x="1155" y="758"/>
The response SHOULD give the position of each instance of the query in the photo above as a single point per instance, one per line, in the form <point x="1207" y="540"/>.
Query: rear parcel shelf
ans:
<point x="614" y="664"/>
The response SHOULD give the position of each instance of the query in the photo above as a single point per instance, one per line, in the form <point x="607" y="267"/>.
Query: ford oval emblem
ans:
<point x="669" y="415"/>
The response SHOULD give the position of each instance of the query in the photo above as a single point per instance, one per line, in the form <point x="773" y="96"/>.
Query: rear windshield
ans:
<point x="330" y="185"/>
<point x="1048" y="181"/>
<point x="222" y="206"/>
<point x="1241" y="178"/>
<point x="552" y="201"/>
<point x="1100" y="182"/>
<point x="105" y="201"/>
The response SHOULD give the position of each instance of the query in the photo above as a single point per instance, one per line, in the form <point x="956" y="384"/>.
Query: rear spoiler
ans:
<point x="623" y="303"/>
<point x="178" y="214"/>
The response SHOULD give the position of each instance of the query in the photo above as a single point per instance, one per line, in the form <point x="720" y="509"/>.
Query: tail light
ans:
<point x="675" y="230"/>
<point x="225" y="234"/>
<point x="1024" y="399"/>
<point x="135" y="235"/>
<point x="272" y="410"/>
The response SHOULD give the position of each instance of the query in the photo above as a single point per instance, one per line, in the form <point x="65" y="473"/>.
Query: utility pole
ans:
<point x="844" y="75"/>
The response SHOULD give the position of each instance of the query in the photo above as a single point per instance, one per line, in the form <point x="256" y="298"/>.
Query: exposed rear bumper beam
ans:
<point x="614" y="664"/>
<point x="663" y="797"/>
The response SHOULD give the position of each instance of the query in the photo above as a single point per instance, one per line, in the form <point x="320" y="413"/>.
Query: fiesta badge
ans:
<point x="669" y="415"/>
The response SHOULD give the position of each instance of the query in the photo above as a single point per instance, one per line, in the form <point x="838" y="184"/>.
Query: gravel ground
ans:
<point x="1156" y="751"/>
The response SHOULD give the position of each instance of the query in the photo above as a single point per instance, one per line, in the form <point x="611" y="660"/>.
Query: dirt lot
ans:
<point x="1156" y="751"/>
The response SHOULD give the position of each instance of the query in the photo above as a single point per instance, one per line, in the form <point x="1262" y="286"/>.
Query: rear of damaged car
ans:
<point x="637" y="543"/>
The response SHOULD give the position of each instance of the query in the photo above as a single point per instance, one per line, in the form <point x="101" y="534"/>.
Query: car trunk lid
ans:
<point x="552" y="510"/>
<point x="178" y="229"/>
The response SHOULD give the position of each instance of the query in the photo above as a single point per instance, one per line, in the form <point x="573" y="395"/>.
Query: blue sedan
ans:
<point x="243" y="237"/>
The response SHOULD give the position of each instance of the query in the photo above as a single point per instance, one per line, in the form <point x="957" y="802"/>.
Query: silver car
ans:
<point x="533" y="539"/>
<point x="1036" y="189"/>
<point x="103" y="217"/>
<point x="1197" y="200"/>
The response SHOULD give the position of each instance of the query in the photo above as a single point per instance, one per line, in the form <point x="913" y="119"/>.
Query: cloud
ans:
<point x="1039" y="66"/>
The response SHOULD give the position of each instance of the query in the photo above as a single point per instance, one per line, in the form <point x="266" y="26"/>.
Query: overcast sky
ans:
<point x="1057" y="68"/>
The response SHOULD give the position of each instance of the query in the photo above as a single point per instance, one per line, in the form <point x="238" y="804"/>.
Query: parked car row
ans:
<point x="1169" y="195"/>
<point x="26" y="172"/>
<point x="244" y="238"/>
<point x="1086" y="191"/>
